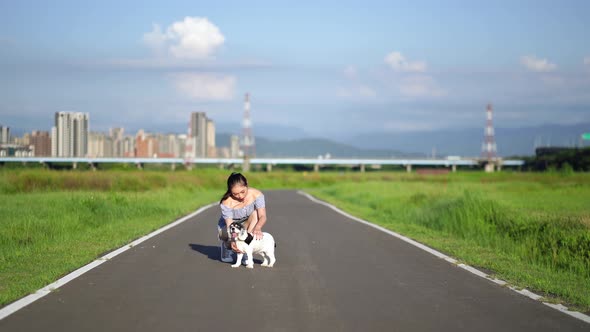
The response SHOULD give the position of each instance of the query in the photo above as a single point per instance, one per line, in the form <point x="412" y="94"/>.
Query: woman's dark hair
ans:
<point x="232" y="180"/>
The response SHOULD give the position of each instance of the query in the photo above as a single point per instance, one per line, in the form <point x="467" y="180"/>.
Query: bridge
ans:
<point x="269" y="162"/>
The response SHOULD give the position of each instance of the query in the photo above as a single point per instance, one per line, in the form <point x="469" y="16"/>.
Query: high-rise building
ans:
<point x="146" y="145"/>
<point x="174" y="145"/>
<point x="4" y="135"/>
<point x="22" y="141"/>
<point x="211" y="151"/>
<point x="70" y="134"/>
<point x="100" y="145"/>
<point x="117" y="136"/>
<point x="117" y="133"/>
<point x="54" y="142"/>
<point x="198" y="126"/>
<point x="129" y="147"/>
<point x="95" y="145"/>
<point x="234" y="146"/>
<point x="41" y="141"/>
<point x="168" y="146"/>
<point x="224" y="152"/>
<point x="182" y="142"/>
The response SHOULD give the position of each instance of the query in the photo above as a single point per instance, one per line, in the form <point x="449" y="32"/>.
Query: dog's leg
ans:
<point x="238" y="259"/>
<point x="271" y="256"/>
<point x="265" y="259"/>
<point x="250" y="263"/>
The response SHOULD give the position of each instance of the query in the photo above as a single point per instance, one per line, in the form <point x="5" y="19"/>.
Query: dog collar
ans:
<point x="249" y="238"/>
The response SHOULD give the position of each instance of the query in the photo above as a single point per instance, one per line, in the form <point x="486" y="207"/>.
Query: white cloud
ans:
<point x="156" y="40"/>
<point x="357" y="92"/>
<point x="366" y="92"/>
<point x="355" y="89"/>
<point x="587" y="62"/>
<point x="532" y="63"/>
<point x="411" y="83"/>
<point x="183" y="42"/>
<point x="399" y="63"/>
<point x="420" y="86"/>
<point x="350" y="72"/>
<point x="193" y="38"/>
<point x="180" y="64"/>
<point x="205" y="86"/>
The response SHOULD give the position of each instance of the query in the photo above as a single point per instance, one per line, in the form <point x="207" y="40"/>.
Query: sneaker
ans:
<point x="226" y="254"/>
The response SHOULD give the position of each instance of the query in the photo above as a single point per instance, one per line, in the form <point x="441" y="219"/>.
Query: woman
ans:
<point x="240" y="204"/>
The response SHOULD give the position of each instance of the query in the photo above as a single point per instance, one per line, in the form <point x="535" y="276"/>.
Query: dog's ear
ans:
<point x="243" y="234"/>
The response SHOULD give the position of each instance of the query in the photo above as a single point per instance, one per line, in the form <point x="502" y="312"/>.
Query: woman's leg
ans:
<point x="226" y="252"/>
<point x="222" y="234"/>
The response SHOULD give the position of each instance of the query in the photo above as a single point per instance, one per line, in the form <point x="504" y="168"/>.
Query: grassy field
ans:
<point x="532" y="230"/>
<point x="52" y="222"/>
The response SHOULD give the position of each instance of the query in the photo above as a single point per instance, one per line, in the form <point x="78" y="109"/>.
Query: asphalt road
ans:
<point x="331" y="274"/>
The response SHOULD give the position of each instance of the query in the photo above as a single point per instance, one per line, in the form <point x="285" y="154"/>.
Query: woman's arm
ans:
<point x="228" y="223"/>
<point x="255" y="226"/>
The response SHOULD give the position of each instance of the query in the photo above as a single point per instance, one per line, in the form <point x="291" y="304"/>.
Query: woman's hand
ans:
<point x="257" y="233"/>
<point x="234" y="247"/>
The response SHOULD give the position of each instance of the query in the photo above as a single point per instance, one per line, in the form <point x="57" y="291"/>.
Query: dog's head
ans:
<point x="237" y="231"/>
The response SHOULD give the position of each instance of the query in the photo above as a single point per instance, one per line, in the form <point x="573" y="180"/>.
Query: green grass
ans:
<point x="53" y="222"/>
<point x="533" y="234"/>
<point x="530" y="229"/>
<point x="46" y="235"/>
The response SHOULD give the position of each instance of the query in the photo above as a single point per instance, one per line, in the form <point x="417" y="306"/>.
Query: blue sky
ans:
<point x="332" y="69"/>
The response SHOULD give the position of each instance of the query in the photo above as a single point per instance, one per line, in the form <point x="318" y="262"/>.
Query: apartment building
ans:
<point x="69" y="136"/>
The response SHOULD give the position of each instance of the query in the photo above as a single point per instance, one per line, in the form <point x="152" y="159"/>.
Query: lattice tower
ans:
<point x="488" y="147"/>
<point x="248" y="145"/>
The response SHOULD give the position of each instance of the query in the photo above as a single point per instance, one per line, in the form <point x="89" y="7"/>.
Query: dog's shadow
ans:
<point x="213" y="252"/>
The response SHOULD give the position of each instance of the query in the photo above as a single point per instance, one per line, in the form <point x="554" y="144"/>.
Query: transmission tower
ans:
<point x="247" y="145"/>
<point x="488" y="147"/>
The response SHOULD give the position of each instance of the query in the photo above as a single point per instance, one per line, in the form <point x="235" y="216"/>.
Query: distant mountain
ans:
<point x="467" y="142"/>
<point x="314" y="147"/>
<point x="270" y="131"/>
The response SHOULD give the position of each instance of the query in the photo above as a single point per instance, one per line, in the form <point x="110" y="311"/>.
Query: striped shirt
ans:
<point x="240" y="214"/>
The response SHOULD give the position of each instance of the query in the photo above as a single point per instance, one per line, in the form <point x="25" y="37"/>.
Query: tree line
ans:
<point x="559" y="159"/>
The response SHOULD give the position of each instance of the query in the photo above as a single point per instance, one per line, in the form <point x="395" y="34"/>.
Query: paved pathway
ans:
<point x="332" y="274"/>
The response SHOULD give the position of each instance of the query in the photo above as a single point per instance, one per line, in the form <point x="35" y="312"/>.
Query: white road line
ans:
<point x="473" y="270"/>
<point x="17" y="305"/>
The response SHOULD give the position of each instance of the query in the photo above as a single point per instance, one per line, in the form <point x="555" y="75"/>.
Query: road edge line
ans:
<point x="25" y="301"/>
<point x="524" y="291"/>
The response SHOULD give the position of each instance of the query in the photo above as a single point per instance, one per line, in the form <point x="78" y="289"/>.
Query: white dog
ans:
<point x="248" y="245"/>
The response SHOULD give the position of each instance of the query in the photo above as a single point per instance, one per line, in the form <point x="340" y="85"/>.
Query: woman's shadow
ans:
<point x="213" y="252"/>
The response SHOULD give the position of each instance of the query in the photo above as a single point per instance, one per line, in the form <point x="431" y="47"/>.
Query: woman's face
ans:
<point x="239" y="192"/>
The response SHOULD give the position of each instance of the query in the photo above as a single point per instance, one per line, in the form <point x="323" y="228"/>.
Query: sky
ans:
<point x="329" y="68"/>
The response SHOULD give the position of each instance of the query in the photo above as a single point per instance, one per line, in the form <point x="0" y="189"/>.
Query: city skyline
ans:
<point x="70" y="136"/>
<point x="329" y="69"/>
